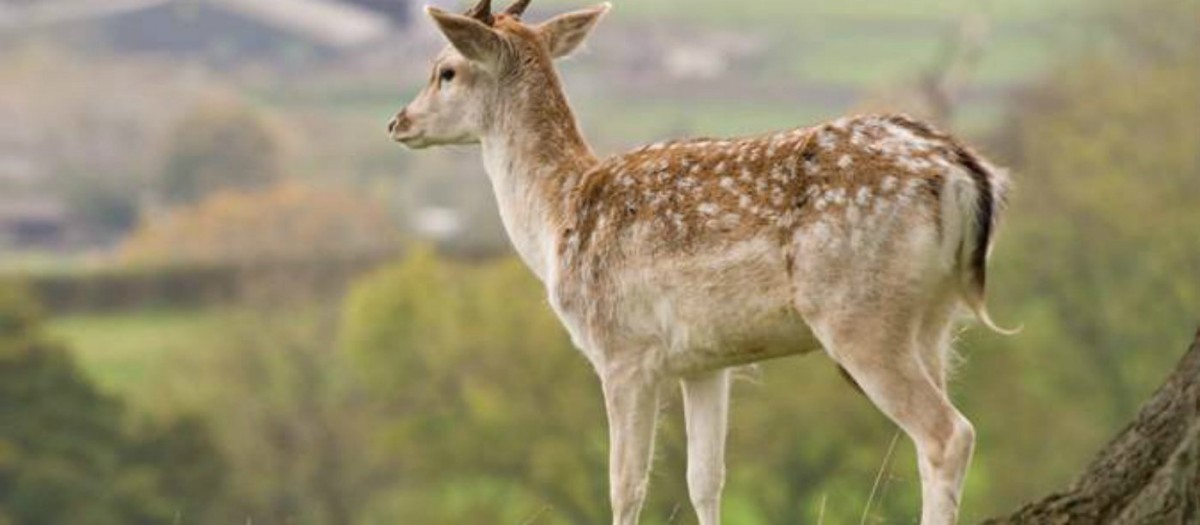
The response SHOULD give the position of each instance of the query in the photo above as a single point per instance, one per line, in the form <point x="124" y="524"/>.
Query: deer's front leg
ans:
<point x="706" y="412"/>
<point x="632" y="405"/>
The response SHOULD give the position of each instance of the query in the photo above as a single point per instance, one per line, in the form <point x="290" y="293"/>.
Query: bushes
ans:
<point x="182" y="286"/>
<point x="287" y="222"/>
<point x="66" y="452"/>
<point x="494" y="415"/>
<point x="490" y="401"/>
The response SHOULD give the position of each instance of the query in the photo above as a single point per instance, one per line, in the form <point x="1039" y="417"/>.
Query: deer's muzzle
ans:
<point x="399" y="126"/>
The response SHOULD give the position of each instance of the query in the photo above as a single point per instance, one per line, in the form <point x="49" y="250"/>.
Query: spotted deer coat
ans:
<point x="778" y="227"/>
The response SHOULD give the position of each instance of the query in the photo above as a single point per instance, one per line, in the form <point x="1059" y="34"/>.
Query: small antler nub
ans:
<point x="517" y="8"/>
<point x="482" y="12"/>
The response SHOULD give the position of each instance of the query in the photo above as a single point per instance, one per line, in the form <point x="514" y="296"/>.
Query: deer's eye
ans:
<point x="446" y="75"/>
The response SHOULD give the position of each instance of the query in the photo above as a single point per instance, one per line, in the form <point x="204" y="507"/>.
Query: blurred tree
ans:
<point x="491" y="401"/>
<point x="221" y="145"/>
<point x="288" y="222"/>
<point x="932" y="95"/>
<point x="1109" y="145"/>
<point x="1100" y="257"/>
<point x="65" y="454"/>
<point x="295" y="430"/>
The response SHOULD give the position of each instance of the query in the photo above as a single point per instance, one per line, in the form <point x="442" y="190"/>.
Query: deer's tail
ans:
<point x="979" y="202"/>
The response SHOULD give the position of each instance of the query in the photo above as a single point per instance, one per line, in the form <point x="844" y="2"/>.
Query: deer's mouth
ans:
<point x="412" y="140"/>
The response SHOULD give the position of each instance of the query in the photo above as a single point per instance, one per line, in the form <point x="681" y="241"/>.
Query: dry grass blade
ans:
<point x="821" y="511"/>
<point x="883" y="468"/>
<point x="532" y="519"/>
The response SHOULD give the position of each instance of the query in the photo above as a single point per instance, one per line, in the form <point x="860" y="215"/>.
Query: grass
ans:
<point x="134" y="353"/>
<point x="31" y="262"/>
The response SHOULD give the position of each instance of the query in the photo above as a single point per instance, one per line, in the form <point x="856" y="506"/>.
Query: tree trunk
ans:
<point x="1148" y="475"/>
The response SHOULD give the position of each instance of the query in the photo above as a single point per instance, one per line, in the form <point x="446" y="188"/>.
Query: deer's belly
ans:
<point x="728" y="335"/>
<point x="729" y="307"/>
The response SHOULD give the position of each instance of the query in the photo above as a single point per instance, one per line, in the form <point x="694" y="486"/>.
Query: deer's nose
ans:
<point x="399" y="123"/>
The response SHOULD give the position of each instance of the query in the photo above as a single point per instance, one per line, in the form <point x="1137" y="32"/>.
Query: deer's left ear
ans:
<point x="474" y="39"/>
<point x="564" y="33"/>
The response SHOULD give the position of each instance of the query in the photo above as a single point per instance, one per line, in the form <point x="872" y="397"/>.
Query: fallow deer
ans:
<point x="676" y="261"/>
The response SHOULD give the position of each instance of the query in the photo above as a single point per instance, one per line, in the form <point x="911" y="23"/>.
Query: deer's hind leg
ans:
<point x="935" y="336"/>
<point x="881" y="351"/>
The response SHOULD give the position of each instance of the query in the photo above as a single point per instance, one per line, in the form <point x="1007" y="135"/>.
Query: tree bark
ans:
<point x="1148" y="475"/>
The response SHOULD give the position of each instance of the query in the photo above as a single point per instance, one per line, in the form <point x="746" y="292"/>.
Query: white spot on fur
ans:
<point x="889" y="183"/>
<point x="863" y="197"/>
<point x="827" y="140"/>
<point x="913" y="165"/>
<point x="837" y="196"/>
<point x="858" y="137"/>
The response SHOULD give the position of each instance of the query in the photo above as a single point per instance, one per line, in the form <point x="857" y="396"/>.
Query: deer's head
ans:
<point x="491" y="59"/>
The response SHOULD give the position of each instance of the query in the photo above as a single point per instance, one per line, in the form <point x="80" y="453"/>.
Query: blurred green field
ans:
<point x="853" y="49"/>
<point x="139" y="353"/>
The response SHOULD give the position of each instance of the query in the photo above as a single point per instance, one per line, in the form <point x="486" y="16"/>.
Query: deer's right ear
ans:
<point x="475" y="40"/>
<point x="564" y="33"/>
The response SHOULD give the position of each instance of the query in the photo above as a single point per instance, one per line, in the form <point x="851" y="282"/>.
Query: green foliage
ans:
<point x="1100" y="259"/>
<point x="491" y="399"/>
<point x="65" y="454"/>
<point x="1107" y="231"/>
<point x="495" y="410"/>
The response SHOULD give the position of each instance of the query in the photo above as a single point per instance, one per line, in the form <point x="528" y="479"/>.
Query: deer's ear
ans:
<point x="564" y="33"/>
<point x="474" y="39"/>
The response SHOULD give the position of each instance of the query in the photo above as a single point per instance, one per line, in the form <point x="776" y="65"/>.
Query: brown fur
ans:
<point x="693" y="193"/>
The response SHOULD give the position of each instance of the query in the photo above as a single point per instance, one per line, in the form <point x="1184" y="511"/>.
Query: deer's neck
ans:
<point x="534" y="155"/>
